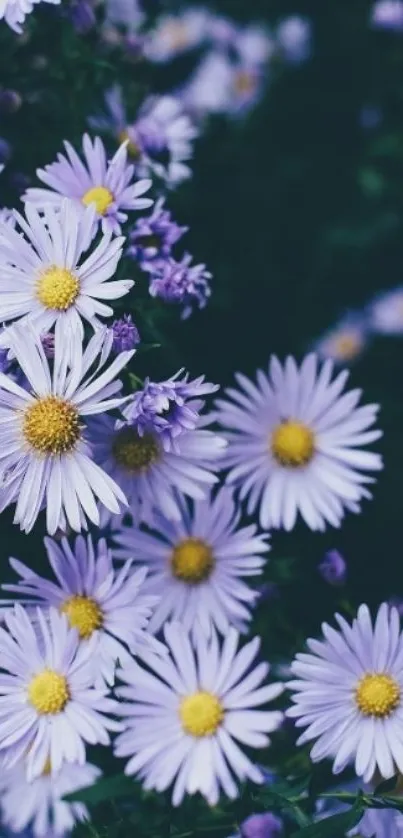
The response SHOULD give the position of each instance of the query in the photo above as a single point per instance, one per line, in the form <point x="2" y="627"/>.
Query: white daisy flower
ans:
<point x="44" y="453"/>
<point x="39" y="804"/>
<point x="47" y="279"/>
<point x="196" y="564"/>
<point x="295" y="444"/>
<point x="48" y="705"/>
<point x="183" y="717"/>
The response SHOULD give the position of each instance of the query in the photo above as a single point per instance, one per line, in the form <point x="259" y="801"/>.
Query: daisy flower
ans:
<point x="183" y="718"/>
<point x="39" y="804"/>
<point x="346" y="341"/>
<point x="106" y="185"/>
<point x="386" y="313"/>
<point x="150" y="476"/>
<point x="95" y="597"/>
<point x="348" y="692"/>
<point x="164" y="135"/>
<point x="387" y="14"/>
<point x="196" y="564"/>
<point x="14" y="12"/>
<point x="44" y="454"/>
<point x="46" y="277"/>
<point x="49" y="707"/>
<point x="153" y="237"/>
<point x="177" y="34"/>
<point x="294" y="444"/>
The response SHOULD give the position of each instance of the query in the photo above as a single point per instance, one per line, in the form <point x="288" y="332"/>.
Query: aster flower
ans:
<point x="183" y="717"/>
<point x="176" y="34"/>
<point x="152" y="238"/>
<point x="14" y="12"/>
<point x="95" y="597"/>
<point x="39" y="804"/>
<point x="380" y="823"/>
<point x="125" y="334"/>
<point x="108" y="186"/>
<point x="345" y="341"/>
<point x="50" y="277"/>
<point x="168" y="408"/>
<point x="293" y="36"/>
<point x="333" y="568"/>
<point x="388" y="14"/>
<point x="150" y="476"/>
<point x="294" y="444"/>
<point x="125" y="12"/>
<point x="347" y="693"/>
<point x="196" y="564"/>
<point x="181" y="283"/>
<point x="265" y="825"/>
<point x="386" y="313"/>
<point x="208" y="91"/>
<point x="44" y="454"/>
<point x="49" y="707"/>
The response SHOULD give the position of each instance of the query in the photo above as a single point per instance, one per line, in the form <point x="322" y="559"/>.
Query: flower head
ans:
<point x="125" y="334"/>
<point x="386" y="313"/>
<point x="51" y="278"/>
<point x="333" y="568"/>
<point x="265" y="825"/>
<point x="39" y="803"/>
<point x="181" y="283"/>
<point x="164" y="135"/>
<point x="348" y="693"/>
<point x="196" y="565"/>
<point x="345" y="341"/>
<point x="107" y="186"/>
<point x="176" y="34"/>
<point x="183" y="717"/>
<point x="152" y="238"/>
<point x="95" y="598"/>
<point x="44" y="454"/>
<point x="14" y="12"/>
<point x="293" y="36"/>
<point x="388" y="14"/>
<point x="294" y="444"/>
<point x="54" y="708"/>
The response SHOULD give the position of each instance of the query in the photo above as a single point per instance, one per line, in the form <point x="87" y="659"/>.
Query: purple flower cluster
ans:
<point x="152" y="238"/>
<point x="182" y="283"/>
<point x="125" y="334"/>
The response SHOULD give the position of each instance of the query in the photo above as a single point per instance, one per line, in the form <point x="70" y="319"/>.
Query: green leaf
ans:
<point x="106" y="789"/>
<point x="333" y="827"/>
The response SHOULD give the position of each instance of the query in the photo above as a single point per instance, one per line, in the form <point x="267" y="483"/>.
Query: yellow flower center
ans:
<point x="244" y="83"/>
<point x="192" y="561"/>
<point x="51" y="425"/>
<point x="83" y="613"/>
<point x="377" y="695"/>
<point x="201" y="714"/>
<point x="57" y="288"/>
<point x="133" y="452"/>
<point x="100" y="196"/>
<point x="292" y="444"/>
<point x="133" y="149"/>
<point x="48" y="692"/>
<point x="346" y="346"/>
<point x="47" y="768"/>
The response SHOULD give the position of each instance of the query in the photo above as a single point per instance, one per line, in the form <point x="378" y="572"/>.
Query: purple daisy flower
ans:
<point x="106" y="185"/>
<point x="197" y="564"/>
<point x="164" y="135"/>
<point x="181" y="283"/>
<point x="49" y="702"/>
<point x="346" y="341"/>
<point x="168" y="408"/>
<point x="152" y="238"/>
<point x="125" y="334"/>
<point x="348" y="694"/>
<point x="388" y="14"/>
<point x="95" y="598"/>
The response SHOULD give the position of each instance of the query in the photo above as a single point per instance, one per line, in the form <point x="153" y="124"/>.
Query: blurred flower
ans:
<point x="388" y="14"/>
<point x="293" y="36"/>
<point x="380" y="823"/>
<point x="386" y="313"/>
<point x="183" y="720"/>
<point x="348" y="693"/>
<point x="14" y="11"/>
<point x="153" y="237"/>
<point x="333" y="568"/>
<point x="181" y="283"/>
<point x="82" y="15"/>
<point x="265" y="825"/>
<point x="40" y="803"/>
<point x="294" y="444"/>
<point x="370" y="116"/>
<point x="124" y="12"/>
<point x="125" y="334"/>
<point x="208" y="89"/>
<point x="163" y="134"/>
<point x="197" y="565"/>
<point x="345" y="341"/>
<point x="5" y="150"/>
<point x="105" y="185"/>
<point x="10" y="101"/>
<point x="176" y="34"/>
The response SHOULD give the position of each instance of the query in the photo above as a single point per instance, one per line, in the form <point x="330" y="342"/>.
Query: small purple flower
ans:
<point x="181" y="283"/>
<point x="294" y="39"/>
<point x="125" y="334"/>
<point x="152" y="238"/>
<point x="333" y="568"/>
<point x="10" y="101"/>
<point x="82" y="15"/>
<point x="48" y="343"/>
<point x="265" y="825"/>
<point x="169" y="408"/>
<point x="388" y="14"/>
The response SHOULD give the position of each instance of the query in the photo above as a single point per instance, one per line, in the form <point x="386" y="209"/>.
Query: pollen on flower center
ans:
<point x="192" y="561"/>
<point x="244" y="82"/>
<point x="100" y="196"/>
<point x="201" y="714"/>
<point x="51" y="425"/>
<point x="292" y="444"/>
<point x="48" y="692"/>
<point x="377" y="695"/>
<point x="47" y="768"/>
<point x="347" y="346"/>
<point x="57" y="288"/>
<point x="133" y="149"/>
<point x="83" y="613"/>
<point x="133" y="452"/>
